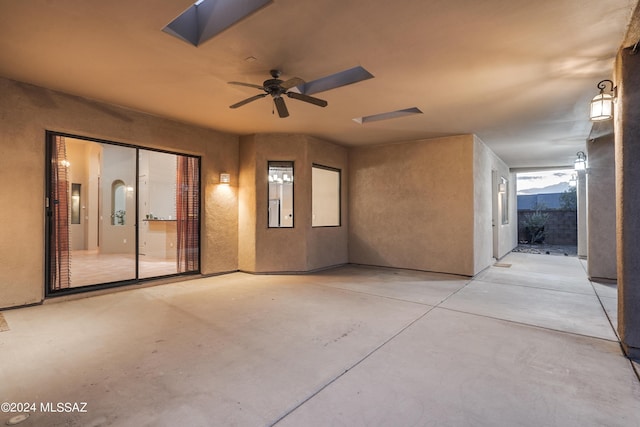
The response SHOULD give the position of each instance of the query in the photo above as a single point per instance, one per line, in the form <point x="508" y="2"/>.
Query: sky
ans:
<point x="536" y="182"/>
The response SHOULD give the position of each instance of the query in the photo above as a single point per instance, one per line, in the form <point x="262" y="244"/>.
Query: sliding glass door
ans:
<point x="117" y="214"/>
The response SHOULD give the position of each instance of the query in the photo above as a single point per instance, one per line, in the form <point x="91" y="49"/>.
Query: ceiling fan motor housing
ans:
<point x="276" y="88"/>
<point x="273" y="88"/>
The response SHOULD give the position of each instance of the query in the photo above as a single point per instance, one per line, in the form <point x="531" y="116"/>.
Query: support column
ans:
<point x="581" y="199"/>
<point x="627" y="143"/>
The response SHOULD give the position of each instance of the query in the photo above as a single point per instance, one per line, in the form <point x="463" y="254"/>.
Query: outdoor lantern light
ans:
<point x="581" y="162"/>
<point x="225" y="178"/>
<point x="574" y="180"/>
<point x="602" y="104"/>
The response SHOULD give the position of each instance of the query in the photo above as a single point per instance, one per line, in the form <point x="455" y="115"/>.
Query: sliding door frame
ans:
<point x="49" y="218"/>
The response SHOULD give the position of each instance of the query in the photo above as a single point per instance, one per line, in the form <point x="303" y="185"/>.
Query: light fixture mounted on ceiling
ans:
<point x="601" y="107"/>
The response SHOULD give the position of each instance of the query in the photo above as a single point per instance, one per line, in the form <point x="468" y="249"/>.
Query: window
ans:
<point x="325" y="190"/>
<point x="504" y="200"/>
<point x="280" y="194"/>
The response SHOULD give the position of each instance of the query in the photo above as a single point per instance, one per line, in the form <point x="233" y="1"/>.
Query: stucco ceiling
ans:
<point x="517" y="73"/>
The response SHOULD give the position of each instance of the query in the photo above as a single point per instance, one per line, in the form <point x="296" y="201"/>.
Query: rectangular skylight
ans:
<point x="206" y="18"/>
<point x="341" y="78"/>
<point x="388" y="116"/>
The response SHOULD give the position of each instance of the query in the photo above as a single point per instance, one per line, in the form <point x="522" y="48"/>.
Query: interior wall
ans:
<point x="601" y="200"/>
<point x="118" y="164"/>
<point x="157" y="198"/>
<point x="411" y="205"/>
<point x="485" y="161"/>
<point x="78" y="156"/>
<point x="27" y="111"/>
<point x="94" y="161"/>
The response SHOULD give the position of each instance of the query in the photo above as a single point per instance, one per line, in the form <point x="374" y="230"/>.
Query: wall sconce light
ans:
<point x="573" y="181"/>
<point x="581" y="162"/>
<point x="225" y="178"/>
<point x="601" y="107"/>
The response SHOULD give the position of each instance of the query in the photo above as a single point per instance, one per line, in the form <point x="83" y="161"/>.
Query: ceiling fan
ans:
<point x="276" y="88"/>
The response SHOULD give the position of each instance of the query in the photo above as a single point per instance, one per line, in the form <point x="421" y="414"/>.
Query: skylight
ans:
<point x="206" y="18"/>
<point x="388" y="116"/>
<point x="341" y="78"/>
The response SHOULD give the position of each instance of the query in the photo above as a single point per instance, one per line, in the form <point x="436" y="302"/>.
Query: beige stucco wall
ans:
<point x="627" y="153"/>
<point x="406" y="205"/>
<point x="328" y="246"/>
<point x="411" y="205"/>
<point x="301" y="248"/>
<point x="27" y="111"/>
<point x="247" y="205"/>
<point x="601" y="202"/>
<point x="487" y="210"/>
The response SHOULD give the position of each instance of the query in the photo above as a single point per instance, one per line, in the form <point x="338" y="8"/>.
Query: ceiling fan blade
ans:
<point x="307" y="98"/>
<point x="295" y="81"/>
<point x="246" y="84"/>
<point x="281" y="106"/>
<point x="248" y="100"/>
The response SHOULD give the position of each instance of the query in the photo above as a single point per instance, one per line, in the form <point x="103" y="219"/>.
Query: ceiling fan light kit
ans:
<point x="277" y="88"/>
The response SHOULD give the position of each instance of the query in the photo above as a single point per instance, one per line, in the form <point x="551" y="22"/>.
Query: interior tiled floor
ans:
<point x="524" y="345"/>
<point x="90" y="267"/>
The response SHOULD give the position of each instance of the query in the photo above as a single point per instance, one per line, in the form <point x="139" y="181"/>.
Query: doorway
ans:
<point x="118" y="214"/>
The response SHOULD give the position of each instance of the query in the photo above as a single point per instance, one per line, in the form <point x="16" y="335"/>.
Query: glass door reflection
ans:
<point x="158" y="234"/>
<point x="103" y="239"/>
<point x="117" y="214"/>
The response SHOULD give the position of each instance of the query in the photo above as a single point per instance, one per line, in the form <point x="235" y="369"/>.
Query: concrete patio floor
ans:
<point x="527" y="343"/>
